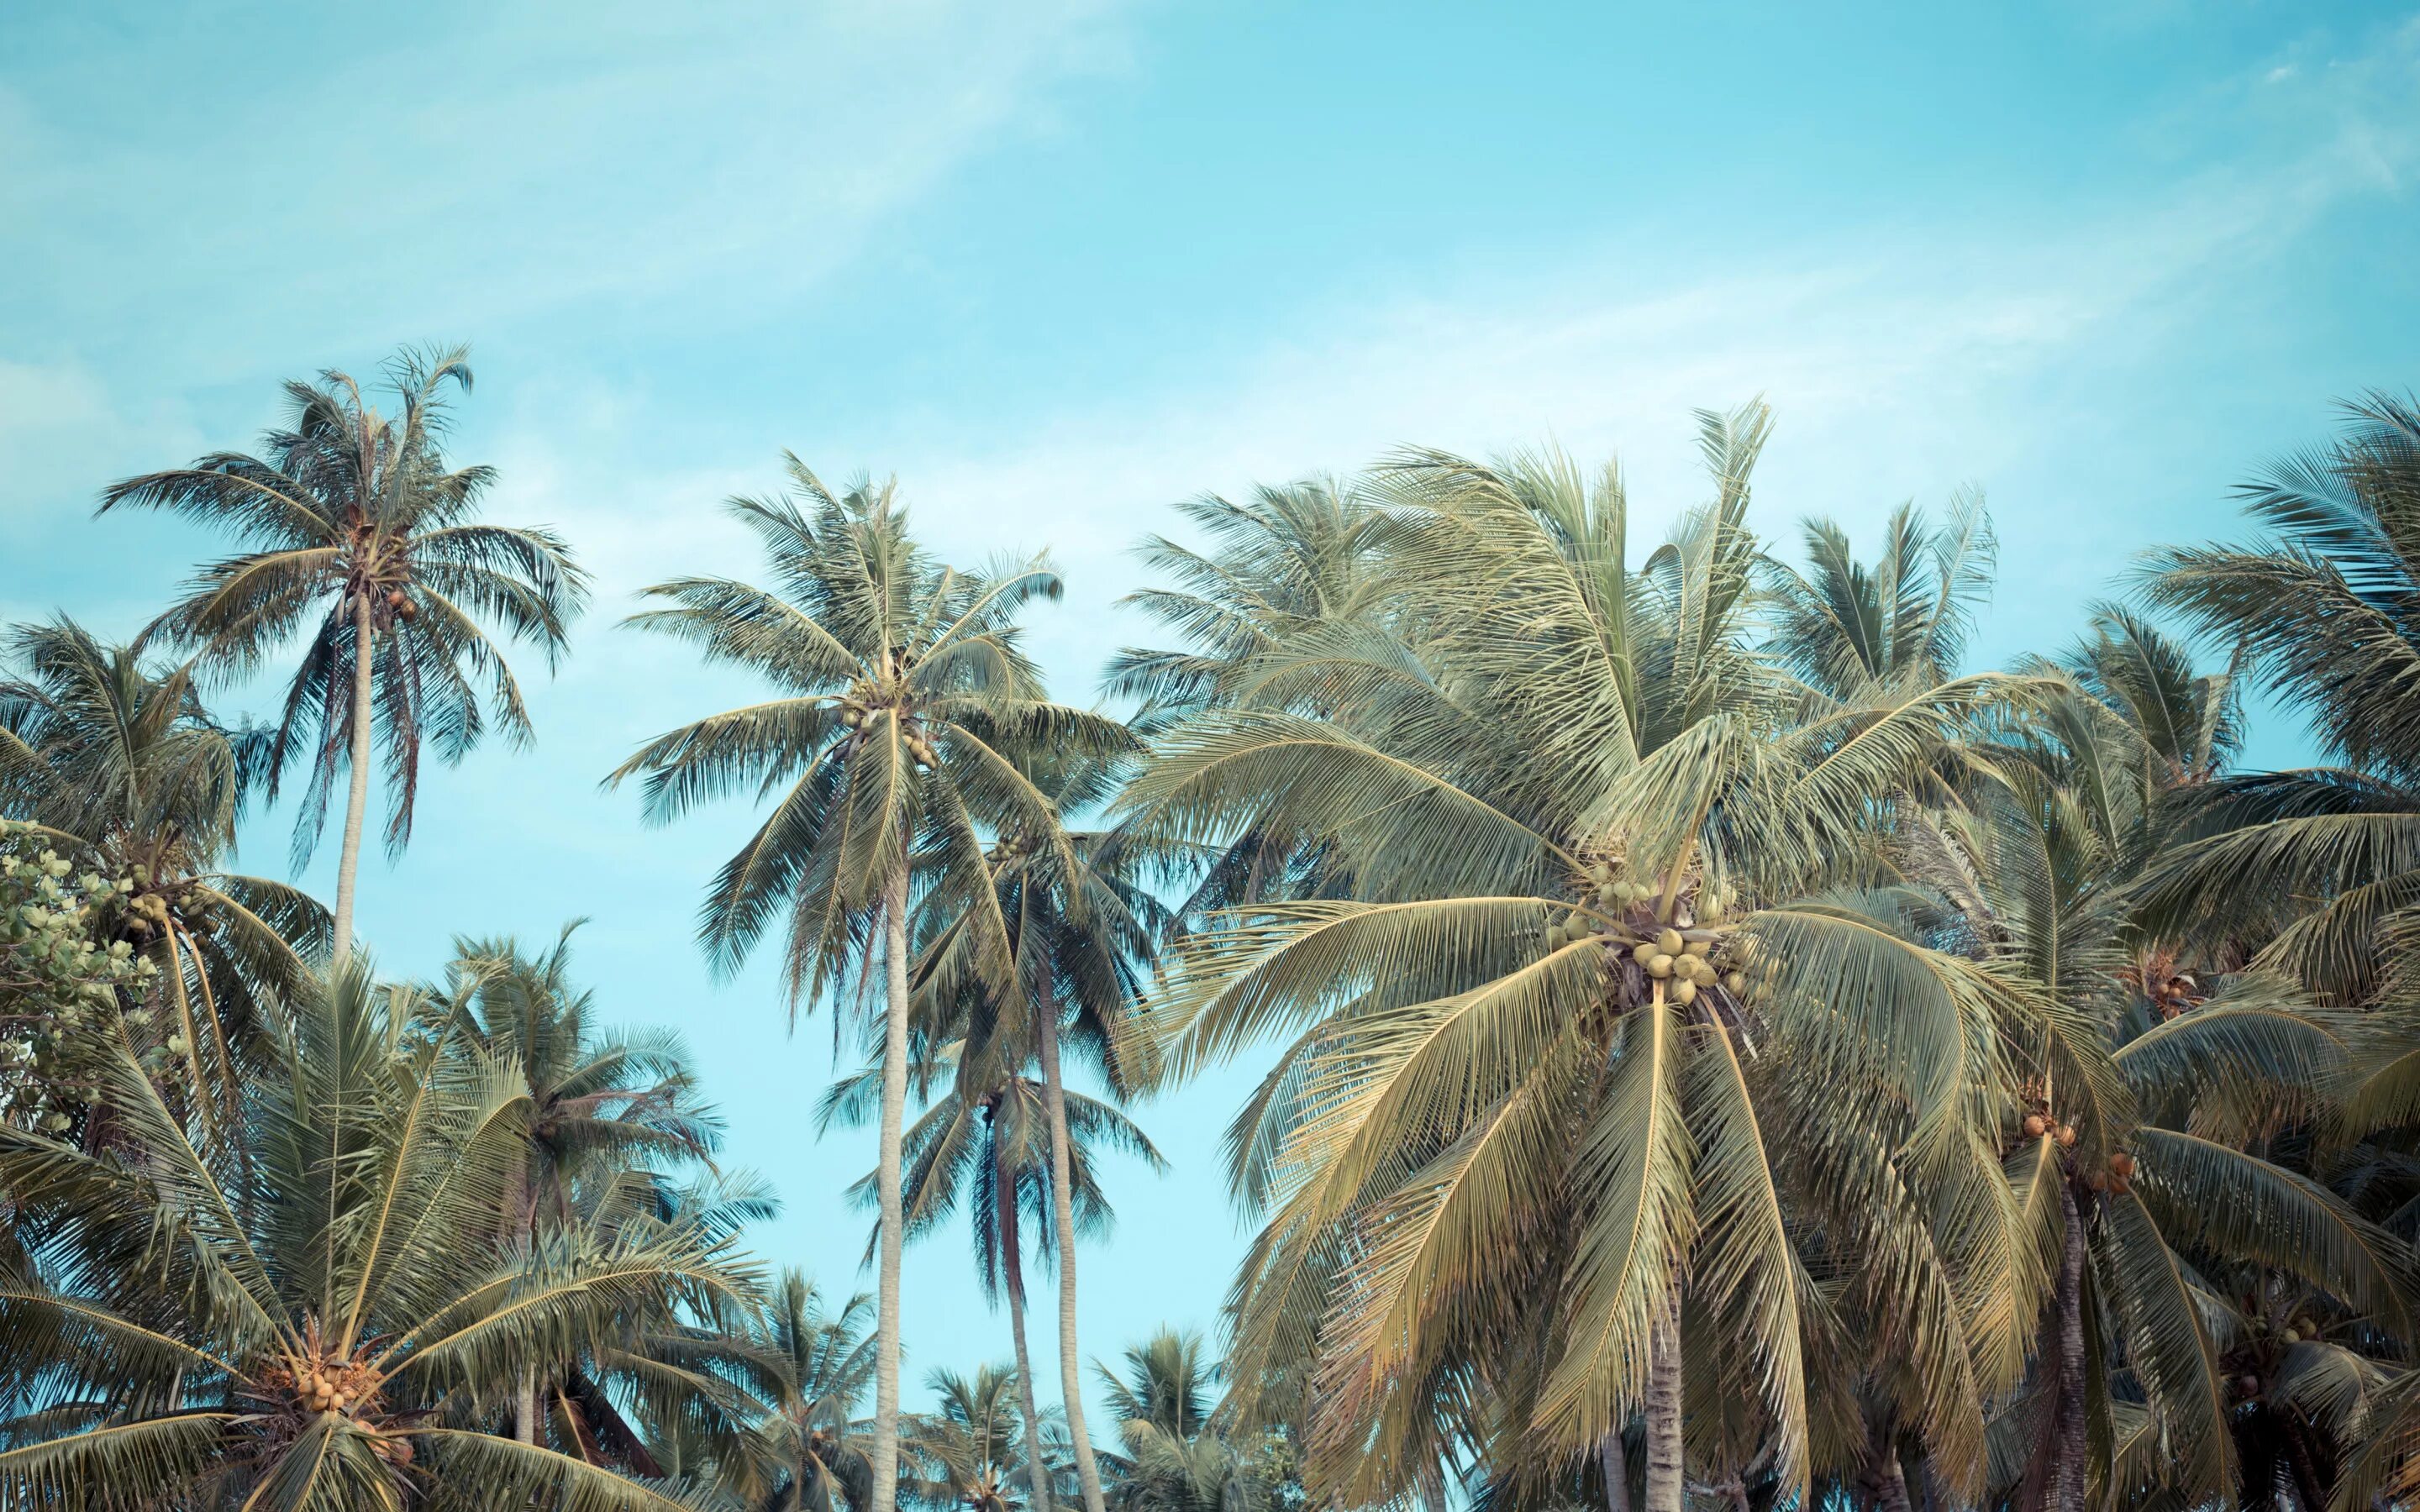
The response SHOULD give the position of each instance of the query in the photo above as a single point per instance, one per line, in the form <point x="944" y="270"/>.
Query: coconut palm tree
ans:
<point x="1573" y="949"/>
<point x="969" y="1451"/>
<point x="114" y="761"/>
<point x="2320" y="863"/>
<point x="824" y="1363"/>
<point x="1084" y="925"/>
<point x="901" y="705"/>
<point x="605" y="1110"/>
<point x="326" y="1323"/>
<point x="1173" y="1457"/>
<point x="358" y="532"/>
<point x="1286" y="559"/>
<point x="986" y="1142"/>
<point x="1850" y="632"/>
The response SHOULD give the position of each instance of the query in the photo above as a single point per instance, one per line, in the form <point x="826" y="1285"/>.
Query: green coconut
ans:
<point x="1659" y="965"/>
<point x="1668" y="941"/>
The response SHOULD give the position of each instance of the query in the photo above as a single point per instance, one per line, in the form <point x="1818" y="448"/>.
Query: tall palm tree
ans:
<point x="1084" y="927"/>
<point x="113" y="760"/>
<point x="986" y="1142"/>
<point x="1571" y="950"/>
<point x="603" y="1108"/>
<point x="358" y="534"/>
<point x="326" y="1323"/>
<point x="969" y="1451"/>
<point x="901" y="705"/>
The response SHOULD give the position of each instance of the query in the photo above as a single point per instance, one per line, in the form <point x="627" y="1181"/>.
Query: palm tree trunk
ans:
<point x="1613" y="1464"/>
<point x="1666" y="1489"/>
<point x="357" y="798"/>
<point x="525" y="1406"/>
<point x="1063" y="1213"/>
<point x="885" y="1454"/>
<point x="2068" y="1445"/>
<point x="1012" y="1269"/>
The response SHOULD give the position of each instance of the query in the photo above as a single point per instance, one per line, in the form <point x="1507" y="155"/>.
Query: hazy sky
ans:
<point x="1059" y="264"/>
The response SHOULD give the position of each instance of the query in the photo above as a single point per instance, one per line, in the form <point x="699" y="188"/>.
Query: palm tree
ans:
<point x="2318" y="862"/>
<point x="825" y="1364"/>
<point x="355" y="519"/>
<point x="1569" y="951"/>
<point x="901" y="704"/>
<point x="115" y="761"/>
<point x="1850" y="632"/>
<point x="604" y="1110"/>
<point x="1173" y="1459"/>
<point x="1084" y="926"/>
<point x="1287" y="559"/>
<point x="326" y="1322"/>
<point x="986" y="1141"/>
<point x="969" y="1450"/>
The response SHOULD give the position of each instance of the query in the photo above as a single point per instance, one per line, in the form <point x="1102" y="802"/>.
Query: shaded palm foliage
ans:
<point x="115" y="761"/>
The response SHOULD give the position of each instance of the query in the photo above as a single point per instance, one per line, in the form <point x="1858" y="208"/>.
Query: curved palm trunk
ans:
<point x="1012" y="1267"/>
<point x="884" y="1452"/>
<point x="1666" y="1489"/>
<point x="357" y="798"/>
<point x="1063" y="1213"/>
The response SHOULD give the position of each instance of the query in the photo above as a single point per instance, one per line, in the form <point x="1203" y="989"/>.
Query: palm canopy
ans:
<point x="1575" y="952"/>
<point x="900" y="704"/>
<point x="1285" y="560"/>
<point x="605" y="1106"/>
<point x="1172" y="1458"/>
<point x="969" y="1451"/>
<point x="1849" y="631"/>
<point x="360" y="536"/>
<point x="321" y="1318"/>
<point x="983" y="1146"/>
<point x="113" y="758"/>
<point x="2324" y="863"/>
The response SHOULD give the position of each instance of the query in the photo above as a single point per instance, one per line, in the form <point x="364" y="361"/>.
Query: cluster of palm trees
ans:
<point x="1718" y="1048"/>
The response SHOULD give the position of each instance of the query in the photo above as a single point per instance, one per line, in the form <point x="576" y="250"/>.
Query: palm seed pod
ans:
<point x="1668" y="940"/>
<point x="1659" y="965"/>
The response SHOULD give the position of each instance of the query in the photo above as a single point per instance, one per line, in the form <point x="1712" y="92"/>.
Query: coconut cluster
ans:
<point x="857" y="707"/>
<point x="1685" y="953"/>
<point x="308" y="1385"/>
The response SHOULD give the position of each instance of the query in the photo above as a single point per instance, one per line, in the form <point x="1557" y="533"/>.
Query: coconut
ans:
<point x="2121" y="1164"/>
<point x="1703" y="972"/>
<point x="1668" y="940"/>
<point x="1735" y="985"/>
<point x="1659" y="965"/>
<point x="1683" y="992"/>
<point x="2034" y="1126"/>
<point x="2120" y="1186"/>
<point x="2293" y="1335"/>
<point x="1696" y="947"/>
<point x="2098" y="1180"/>
<point x="1554" y="937"/>
<point x="2067" y="1137"/>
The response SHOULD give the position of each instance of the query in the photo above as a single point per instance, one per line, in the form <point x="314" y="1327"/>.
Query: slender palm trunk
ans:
<point x="2067" y="1446"/>
<point x="525" y="1406"/>
<point x="1063" y="1213"/>
<point x="1613" y="1464"/>
<point x="357" y="798"/>
<point x="1666" y="1488"/>
<point x="1012" y="1270"/>
<point x="884" y="1452"/>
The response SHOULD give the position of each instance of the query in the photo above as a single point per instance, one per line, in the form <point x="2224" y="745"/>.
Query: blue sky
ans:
<point x="1059" y="264"/>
